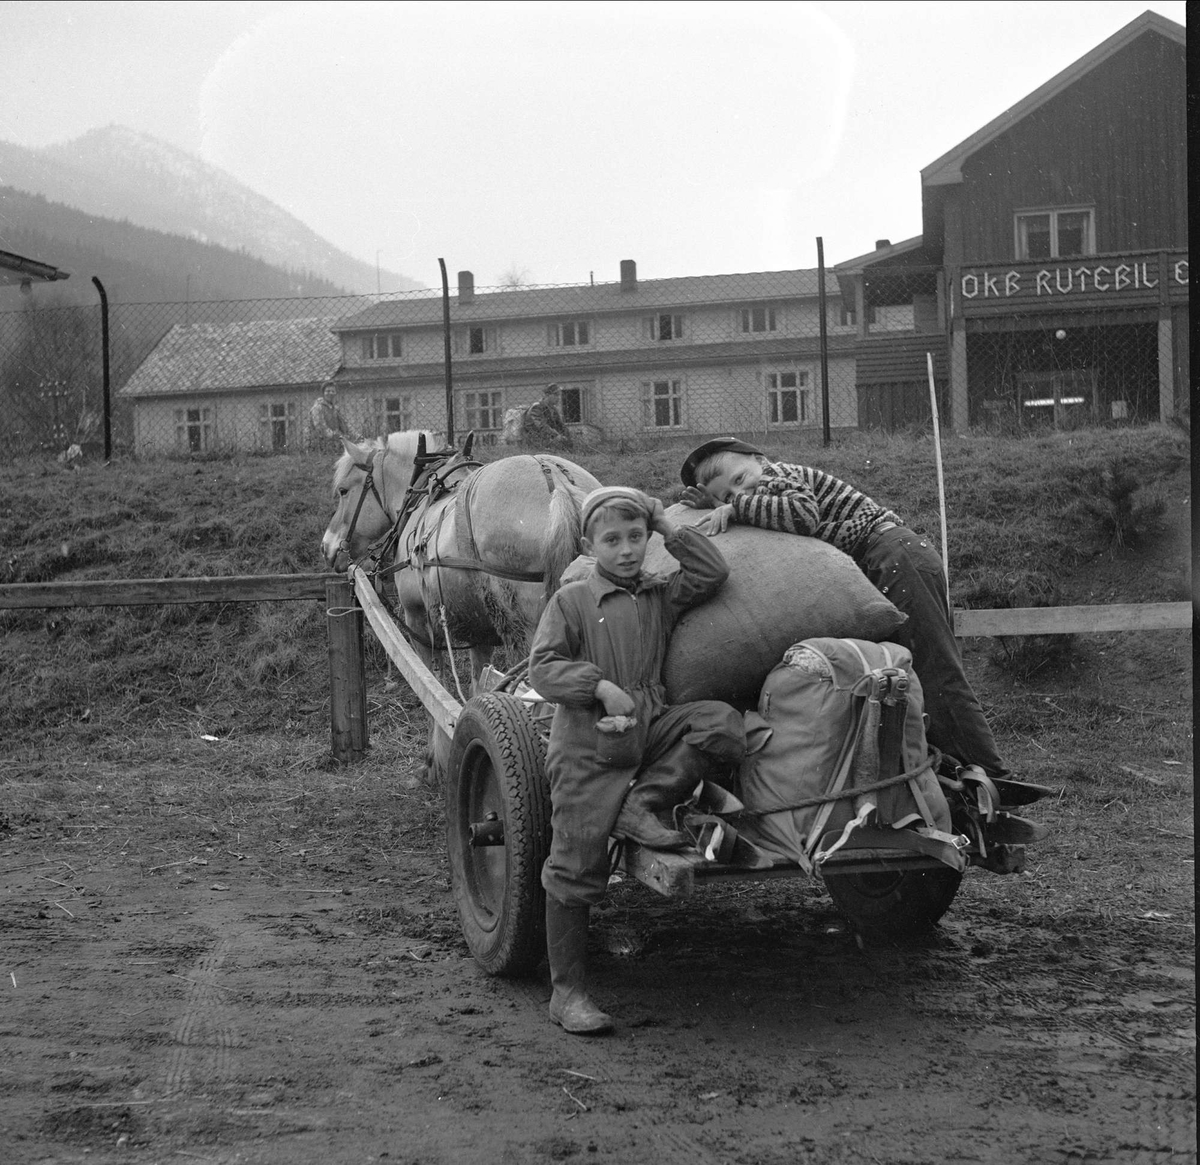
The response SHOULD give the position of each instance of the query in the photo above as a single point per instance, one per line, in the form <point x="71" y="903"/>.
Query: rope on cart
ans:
<point x="845" y="794"/>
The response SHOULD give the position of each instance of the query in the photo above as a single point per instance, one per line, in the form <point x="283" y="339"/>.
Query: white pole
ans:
<point x="937" y="450"/>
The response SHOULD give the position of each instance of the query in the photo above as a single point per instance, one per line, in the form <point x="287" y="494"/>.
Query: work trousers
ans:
<point x="907" y="569"/>
<point x="689" y="741"/>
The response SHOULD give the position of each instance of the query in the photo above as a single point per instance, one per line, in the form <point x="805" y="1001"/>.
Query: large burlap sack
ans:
<point x="782" y="589"/>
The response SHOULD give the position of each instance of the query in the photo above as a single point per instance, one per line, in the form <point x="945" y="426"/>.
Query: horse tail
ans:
<point x="561" y="545"/>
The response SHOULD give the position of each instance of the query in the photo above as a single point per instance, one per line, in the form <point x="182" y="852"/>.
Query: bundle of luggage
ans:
<point x="837" y="752"/>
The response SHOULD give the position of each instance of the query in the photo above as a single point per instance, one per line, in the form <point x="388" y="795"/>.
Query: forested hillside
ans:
<point x="138" y="265"/>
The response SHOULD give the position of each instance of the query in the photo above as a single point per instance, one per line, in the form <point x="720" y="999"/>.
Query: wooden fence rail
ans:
<point x="346" y="596"/>
<point x="138" y="592"/>
<point x="1073" y="620"/>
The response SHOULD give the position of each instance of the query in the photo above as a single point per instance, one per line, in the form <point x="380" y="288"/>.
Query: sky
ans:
<point x="550" y="141"/>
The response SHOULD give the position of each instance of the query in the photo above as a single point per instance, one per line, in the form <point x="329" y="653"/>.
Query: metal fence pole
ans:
<point x="824" y="341"/>
<point x="106" y="367"/>
<point x="446" y="341"/>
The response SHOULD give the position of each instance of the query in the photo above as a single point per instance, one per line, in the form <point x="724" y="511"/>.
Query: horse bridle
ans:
<point x="368" y="486"/>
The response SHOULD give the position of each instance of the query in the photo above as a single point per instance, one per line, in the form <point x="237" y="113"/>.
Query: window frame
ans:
<point x="584" y="391"/>
<point x="204" y="425"/>
<point x="374" y="343"/>
<point x="558" y="333"/>
<point x="404" y="411"/>
<point x="771" y="319"/>
<point x="676" y="398"/>
<point x="678" y="325"/>
<point x="473" y="408"/>
<point x="1053" y="213"/>
<point x="269" y="422"/>
<point x="803" y="389"/>
<point x="464" y="338"/>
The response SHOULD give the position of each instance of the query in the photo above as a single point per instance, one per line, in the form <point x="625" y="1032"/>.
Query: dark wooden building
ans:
<point x="1051" y="276"/>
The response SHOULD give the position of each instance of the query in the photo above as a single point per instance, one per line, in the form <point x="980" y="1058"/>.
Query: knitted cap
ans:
<point x="612" y="493"/>
<point x="717" y="445"/>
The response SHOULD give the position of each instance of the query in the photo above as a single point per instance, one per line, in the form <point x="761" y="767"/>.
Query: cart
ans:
<point x="497" y="803"/>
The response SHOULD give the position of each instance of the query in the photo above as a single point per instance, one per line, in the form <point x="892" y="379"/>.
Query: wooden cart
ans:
<point x="497" y="803"/>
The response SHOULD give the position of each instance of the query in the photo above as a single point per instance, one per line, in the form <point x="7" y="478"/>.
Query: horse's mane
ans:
<point x="403" y="444"/>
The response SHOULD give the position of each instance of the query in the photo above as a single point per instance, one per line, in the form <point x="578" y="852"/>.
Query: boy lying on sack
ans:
<point x="741" y="485"/>
<point x="618" y="753"/>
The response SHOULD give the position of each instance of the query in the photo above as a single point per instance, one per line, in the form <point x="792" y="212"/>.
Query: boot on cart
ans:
<point x="663" y="784"/>
<point x="566" y="951"/>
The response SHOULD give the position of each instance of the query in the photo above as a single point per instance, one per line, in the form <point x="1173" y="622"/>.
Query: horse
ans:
<point x="478" y="549"/>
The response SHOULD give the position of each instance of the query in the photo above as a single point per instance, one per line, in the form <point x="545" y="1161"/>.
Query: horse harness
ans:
<point x="430" y="482"/>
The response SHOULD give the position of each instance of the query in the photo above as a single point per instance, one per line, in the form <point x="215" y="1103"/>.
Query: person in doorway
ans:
<point x="619" y="755"/>
<point x="328" y="424"/>
<point x="742" y="486"/>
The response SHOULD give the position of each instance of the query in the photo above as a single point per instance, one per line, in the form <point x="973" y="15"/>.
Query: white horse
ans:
<point x="478" y="549"/>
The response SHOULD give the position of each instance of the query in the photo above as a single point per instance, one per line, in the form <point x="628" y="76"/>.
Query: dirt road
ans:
<point x="227" y="998"/>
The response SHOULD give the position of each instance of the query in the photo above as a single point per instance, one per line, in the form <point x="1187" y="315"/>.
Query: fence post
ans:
<point x="106" y="370"/>
<point x="347" y="673"/>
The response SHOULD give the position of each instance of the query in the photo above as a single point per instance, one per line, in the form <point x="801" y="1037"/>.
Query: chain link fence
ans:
<point x="772" y="354"/>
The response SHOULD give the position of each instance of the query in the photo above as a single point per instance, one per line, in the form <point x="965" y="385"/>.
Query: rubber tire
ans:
<point x="497" y="764"/>
<point x="893" y="904"/>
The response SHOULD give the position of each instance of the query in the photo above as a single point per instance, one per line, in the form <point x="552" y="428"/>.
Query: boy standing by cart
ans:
<point x="742" y="486"/>
<point x="619" y="754"/>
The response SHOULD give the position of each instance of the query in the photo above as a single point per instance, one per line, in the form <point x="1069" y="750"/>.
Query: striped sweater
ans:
<point x="798" y="500"/>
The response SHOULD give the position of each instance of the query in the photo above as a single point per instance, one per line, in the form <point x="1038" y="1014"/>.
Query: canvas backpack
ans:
<point x="826" y="714"/>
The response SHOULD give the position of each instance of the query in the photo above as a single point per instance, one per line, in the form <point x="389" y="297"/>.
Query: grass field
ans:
<point x="1040" y="521"/>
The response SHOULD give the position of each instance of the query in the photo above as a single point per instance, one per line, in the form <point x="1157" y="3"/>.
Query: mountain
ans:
<point x="120" y="174"/>
<point x="137" y="265"/>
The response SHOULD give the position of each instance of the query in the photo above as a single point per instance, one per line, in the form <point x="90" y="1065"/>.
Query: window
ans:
<point x="484" y="410"/>
<point x="666" y="327"/>
<point x="381" y="346"/>
<point x="662" y="404"/>
<point x="1055" y="234"/>
<point x="571" y="334"/>
<point x="475" y="341"/>
<point x="574" y="401"/>
<point x="758" y="319"/>
<point x="193" y="430"/>
<point x="848" y="316"/>
<point x="277" y="425"/>
<point x="788" y="398"/>
<point x="392" y="414"/>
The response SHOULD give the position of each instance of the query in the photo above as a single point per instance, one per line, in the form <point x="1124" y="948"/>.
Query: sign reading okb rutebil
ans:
<point x="1145" y="277"/>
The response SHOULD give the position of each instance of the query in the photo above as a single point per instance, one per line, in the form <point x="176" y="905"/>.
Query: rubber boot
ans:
<point x="661" y="786"/>
<point x="566" y="950"/>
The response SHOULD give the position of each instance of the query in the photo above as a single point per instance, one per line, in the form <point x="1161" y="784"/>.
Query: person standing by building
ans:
<point x="328" y="424"/>
<point x="543" y="421"/>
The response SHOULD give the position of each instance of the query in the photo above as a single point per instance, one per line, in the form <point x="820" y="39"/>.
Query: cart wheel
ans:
<point x="893" y="903"/>
<point x="498" y="832"/>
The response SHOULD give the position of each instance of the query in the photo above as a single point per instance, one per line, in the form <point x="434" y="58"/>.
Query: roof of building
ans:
<point x="18" y="269"/>
<point x="591" y="298"/>
<point x="576" y="366"/>
<point x="947" y="169"/>
<point x="194" y="358"/>
<point x="903" y="250"/>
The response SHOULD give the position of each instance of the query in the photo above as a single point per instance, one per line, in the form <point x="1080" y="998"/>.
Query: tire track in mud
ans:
<point x="205" y="1032"/>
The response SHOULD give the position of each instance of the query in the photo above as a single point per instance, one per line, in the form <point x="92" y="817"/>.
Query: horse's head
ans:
<point x="370" y="479"/>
